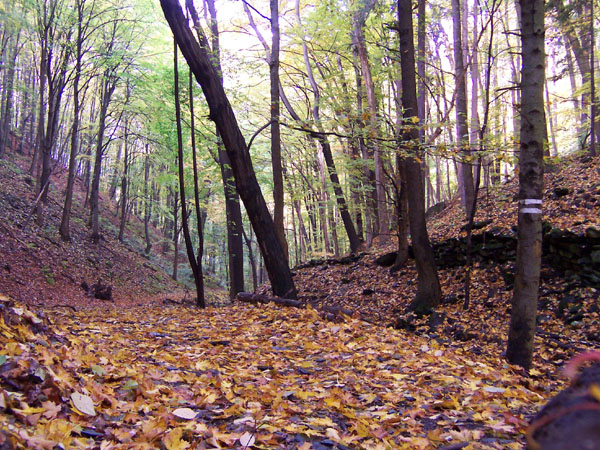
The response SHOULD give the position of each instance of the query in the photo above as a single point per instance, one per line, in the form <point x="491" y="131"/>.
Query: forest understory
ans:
<point x="149" y="370"/>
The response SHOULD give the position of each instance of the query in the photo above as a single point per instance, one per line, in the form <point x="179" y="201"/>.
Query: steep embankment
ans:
<point x="38" y="268"/>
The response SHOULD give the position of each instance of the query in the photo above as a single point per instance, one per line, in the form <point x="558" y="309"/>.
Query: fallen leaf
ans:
<point x="83" y="404"/>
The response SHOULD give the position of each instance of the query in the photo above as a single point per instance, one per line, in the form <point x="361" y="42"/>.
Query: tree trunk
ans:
<point x="235" y="227"/>
<point x="320" y="136"/>
<point x="175" y="235"/>
<point x="124" y="181"/>
<point x="109" y="85"/>
<point x="428" y="290"/>
<point x="64" y="230"/>
<point x="462" y="130"/>
<point x="8" y="91"/>
<point x="147" y="202"/>
<point x="359" y="42"/>
<point x="198" y="279"/>
<point x="531" y="171"/>
<point x="275" y="131"/>
<point x="222" y="114"/>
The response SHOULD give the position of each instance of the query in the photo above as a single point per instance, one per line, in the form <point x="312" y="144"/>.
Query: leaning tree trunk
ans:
<point x="222" y="114"/>
<point x="428" y="290"/>
<point x="531" y="172"/>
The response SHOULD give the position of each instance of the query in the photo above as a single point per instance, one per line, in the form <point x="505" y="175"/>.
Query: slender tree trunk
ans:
<point x="8" y="91"/>
<point x="200" y="215"/>
<point x="462" y="130"/>
<point x="175" y="236"/>
<point x="109" y="85"/>
<point x="428" y="290"/>
<point x="320" y="136"/>
<point x="529" y="249"/>
<point x="147" y="202"/>
<point x="593" y="125"/>
<point x="275" y="131"/>
<point x="184" y="215"/>
<point x="64" y="230"/>
<point x="124" y="183"/>
<point x="360" y="45"/>
<point x="367" y="155"/>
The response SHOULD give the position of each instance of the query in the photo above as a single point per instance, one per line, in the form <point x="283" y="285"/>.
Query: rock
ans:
<point x="435" y="209"/>
<point x="561" y="191"/>
<point x="102" y="291"/>
<point x="450" y="299"/>
<point x="435" y="320"/>
<point x="478" y="225"/>
<point x="592" y="233"/>
<point x="387" y="259"/>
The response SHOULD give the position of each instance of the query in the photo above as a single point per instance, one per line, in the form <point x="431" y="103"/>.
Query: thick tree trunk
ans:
<point x="428" y="290"/>
<point x="531" y="171"/>
<point x="222" y="114"/>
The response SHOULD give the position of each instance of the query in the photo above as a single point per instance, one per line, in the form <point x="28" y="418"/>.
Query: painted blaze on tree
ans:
<point x="531" y="173"/>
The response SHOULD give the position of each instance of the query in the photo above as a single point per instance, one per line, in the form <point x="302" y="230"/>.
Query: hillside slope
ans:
<point x="38" y="268"/>
<point x="568" y="321"/>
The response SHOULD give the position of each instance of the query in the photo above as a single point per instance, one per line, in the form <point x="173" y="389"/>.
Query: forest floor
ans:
<point x="140" y="372"/>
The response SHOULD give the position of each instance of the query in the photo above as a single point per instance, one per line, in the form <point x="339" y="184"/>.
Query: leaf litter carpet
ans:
<point x="174" y="377"/>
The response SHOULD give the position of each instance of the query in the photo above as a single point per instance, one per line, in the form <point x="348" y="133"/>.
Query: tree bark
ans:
<point x="462" y="129"/>
<point x="235" y="227"/>
<point x="64" y="230"/>
<point x="531" y="171"/>
<point x="428" y="290"/>
<point x="278" y="199"/>
<point x="222" y="114"/>
<point x="198" y="278"/>
<point x="124" y="182"/>
<point x="147" y="202"/>
<point x="109" y="84"/>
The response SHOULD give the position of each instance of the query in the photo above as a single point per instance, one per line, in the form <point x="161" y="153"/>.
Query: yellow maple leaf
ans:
<point x="333" y="402"/>
<point x="173" y="440"/>
<point x="322" y="422"/>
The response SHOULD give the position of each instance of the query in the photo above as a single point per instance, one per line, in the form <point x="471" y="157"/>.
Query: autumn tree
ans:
<point x="428" y="290"/>
<point x="531" y="172"/>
